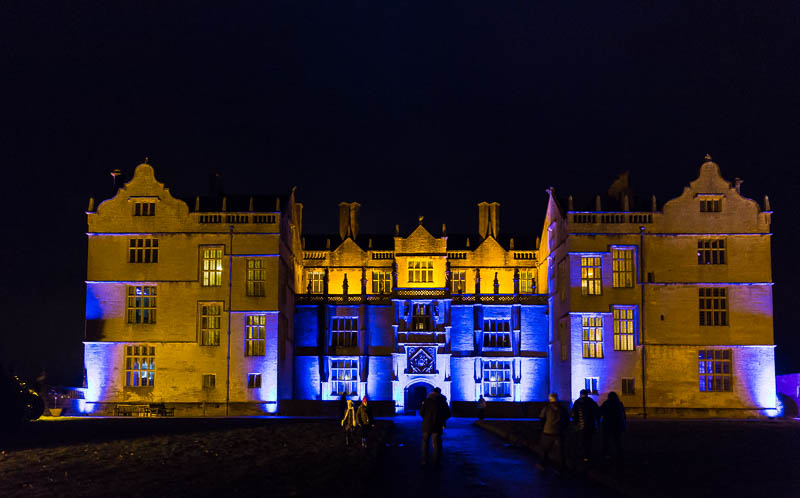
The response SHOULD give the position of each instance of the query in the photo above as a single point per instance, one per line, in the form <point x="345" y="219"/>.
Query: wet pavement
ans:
<point x="474" y="463"/>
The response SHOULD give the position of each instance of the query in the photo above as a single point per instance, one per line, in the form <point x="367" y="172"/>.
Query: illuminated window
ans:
<point x="624" y="329"/>
<point x="592" y="384"/>
<point x="140" y="366"/>
<point x="141" y="304"/>
<point x="496" y="378"/>
<point x="344" y="331"/>
<point x="458" y="282"/>
<point x="591" y="280"/>
<point x="623" y="267"/>
<point x="210" y="320"/>
<point x="714" y="369"/>
<point x="144" y="208"/>
<point x="710" y="205"/>
<point x="592" y="336"/>
<point x="711" y="252"/>
<point x="420" y="271"/>
<point x="497" y="333"/>
<point x="344" y="377"/>
<point x="527" y="284"/>
<point x="628" y="387"/>
<point x="421" y="317"/>
<point x="381" y="282"/>
<point x="209" y="381"/>
<point x="254" y="381"/>
<point x="713" y="306"/>
<point x="315" y="280"/>
<point x="212" y="266"/>
<point x="143" y="251"/>
<point x="256" y="276"/>
<point x="254" y="327"/>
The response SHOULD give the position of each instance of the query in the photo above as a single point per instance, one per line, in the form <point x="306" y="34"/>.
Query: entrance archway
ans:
<point x="415" y="394"/>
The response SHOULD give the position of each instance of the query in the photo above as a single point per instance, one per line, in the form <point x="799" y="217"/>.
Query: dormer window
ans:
<point x="144" y="208"/>
<point x="710" y="205"/>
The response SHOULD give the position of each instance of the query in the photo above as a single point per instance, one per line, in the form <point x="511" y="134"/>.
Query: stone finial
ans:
<point x="597" y="205"/>
<point x="224" y="204"/>
<point x="328" y="244"/>
<point x="570" y="204"/>
<point x="197" y="203"/>
<point x="626" y="203"/>
<point x="91" y="204"/>
<point x="467" y="241"/>
<point x="511" y="243"/>
<point x="369" y="244"/>
<point x="496" y="284"/>
<point x="303" y="242"/>
<point x="708" y="158"/>
<point x="277" y="204"/>
<point x="766" y="203"/>
<point x="397" y="230"/>
<point x="345" y="285"/>
<point x="420" y="219"/>
<point x="737" y="184"/>
<point x="538" y="241"/>
<point x="653" y="205"/>
<point x="250" y="206"/>
<point x="444" y="229"/>
<point x="146" y="160"/>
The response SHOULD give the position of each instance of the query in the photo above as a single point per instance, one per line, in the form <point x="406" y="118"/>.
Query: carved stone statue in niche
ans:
<point x="345" y="285"/>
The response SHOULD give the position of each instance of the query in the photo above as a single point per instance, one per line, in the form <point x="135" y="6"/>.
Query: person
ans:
<point x="342" y="405"/>
<point x="555" y="420"/>
<point x="613" y="424"/>
<point x="364" y="421"/>
<point x="349" y="423"/>
<point x="481" y="408"/>
<point x="434" y="413"/>
<point x="585" y="414"/>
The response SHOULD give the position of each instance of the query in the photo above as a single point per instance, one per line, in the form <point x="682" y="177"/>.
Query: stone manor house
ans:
<point x="222" y="305"/>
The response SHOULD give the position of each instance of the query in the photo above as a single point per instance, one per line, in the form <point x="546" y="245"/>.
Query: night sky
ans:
<point x="422" y="108"/>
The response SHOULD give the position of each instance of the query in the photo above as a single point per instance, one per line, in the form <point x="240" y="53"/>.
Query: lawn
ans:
<point x="184" y="457"/>
<point x="693" y="457"/>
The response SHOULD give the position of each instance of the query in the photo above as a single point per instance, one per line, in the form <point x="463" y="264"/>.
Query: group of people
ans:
<point x="587" y="417"/>
<point x="357" y="420"/>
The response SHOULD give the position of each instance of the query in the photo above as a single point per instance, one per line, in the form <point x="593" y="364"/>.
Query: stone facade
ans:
<point x="670" y="307"/>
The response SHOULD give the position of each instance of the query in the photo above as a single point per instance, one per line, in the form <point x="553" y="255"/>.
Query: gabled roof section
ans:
<point x="420" y="241"/>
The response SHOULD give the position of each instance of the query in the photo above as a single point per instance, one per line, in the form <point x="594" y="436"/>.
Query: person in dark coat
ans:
<point x="342" y="405"/>
<point x="585" y="414"/>
<point x="364" y="421"/>
<point x="613" y="423"/>
<point x="481" y="408"/>
<point x="434" y="413"/>
<point x="555" y="420"/>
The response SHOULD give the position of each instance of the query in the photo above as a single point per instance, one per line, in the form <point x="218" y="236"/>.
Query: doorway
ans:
<point x="415" y="394"/>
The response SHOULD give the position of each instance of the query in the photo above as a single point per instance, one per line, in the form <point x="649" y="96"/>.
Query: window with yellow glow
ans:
<point x="212" y="266"/>
<point x="592" y="336"/>
<point x="527" y="284"/>
<point x="421" y="317"/>
<point x="315" y="281"/>
<point x="591" y="277"/>
<point x="458" y="282"/>
<point x="254" y="335"/>
<point x="420" y="271"/>
<point x="623" y="268"/>
<point x="381" y="282"/>
<point x="624" y="329"/>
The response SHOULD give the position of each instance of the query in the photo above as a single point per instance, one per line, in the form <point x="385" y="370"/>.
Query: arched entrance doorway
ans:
<point x="415" y="394"/>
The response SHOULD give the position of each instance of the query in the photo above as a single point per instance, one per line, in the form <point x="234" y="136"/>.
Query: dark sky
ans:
<point x="419" y="108"/>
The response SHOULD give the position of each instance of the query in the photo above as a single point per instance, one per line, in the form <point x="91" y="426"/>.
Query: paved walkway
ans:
<point x="474" y="463"/>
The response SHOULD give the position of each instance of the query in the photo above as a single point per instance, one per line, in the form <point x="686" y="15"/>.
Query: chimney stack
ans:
<point x="488" y="219"/>
<point x="117" y="179"/>
<point x="348" y="219"/>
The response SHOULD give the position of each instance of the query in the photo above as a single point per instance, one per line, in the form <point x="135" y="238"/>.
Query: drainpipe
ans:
<point x="228" y="359"/>
<point x="642" y="276"/>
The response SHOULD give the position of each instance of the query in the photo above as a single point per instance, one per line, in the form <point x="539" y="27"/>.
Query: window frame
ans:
<point x="497" y="333"/>
<point x="590" y="328"/>
<point x="134" y="357"/>
<point x="624" y="337"/>
<point x="141" y="304"/>
<point x="713" y="306"/>
<point x="496" y="387"/>
<point x="255" y="277"/>
<point x="720" y="376"/>
<point x="527" y="281"/>
<point x="255" y="332"/>
<point x="420" y="271"/>
<point x="341" y="335"/>
<point x="711" y="252"/>
<point x="209" y="323"/>
<point x="209" y="381"/>
<point x="628" y="386"/>
<point x="210" y="273"/>
<point x="381" y="281"/>
<point x="317" y="280"/>
<point x="254" y="380"/>
<point x="458" y="282"/>
<point x="143" y="250"/>
<point x="592" y="384"/>
<point x="349" y="367"/>
<point x="591" y="275"/>
<point x="623" y="269"/>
